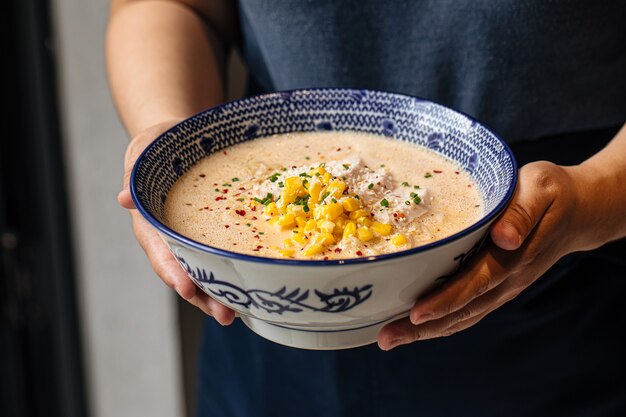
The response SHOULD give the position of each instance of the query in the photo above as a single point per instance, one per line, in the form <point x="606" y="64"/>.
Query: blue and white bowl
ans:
<point x="318" y="304"/>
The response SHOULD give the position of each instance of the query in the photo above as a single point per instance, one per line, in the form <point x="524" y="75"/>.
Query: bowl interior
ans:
<point x="449" y="133"/>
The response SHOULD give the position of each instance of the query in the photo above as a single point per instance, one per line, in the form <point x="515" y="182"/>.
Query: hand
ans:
<point x="547" y="219"/>
<point x="163" y="263"/>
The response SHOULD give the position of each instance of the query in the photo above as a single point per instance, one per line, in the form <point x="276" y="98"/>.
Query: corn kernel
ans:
<point x="271" y="209"/>
<point x="320" y="212"/>
<point x="326" y="226"/>
<point x="325" y="239"/>
<point x="310" y="226"/>
<point x="365" y="234"/>
<point x="299" y="238"/>
<point x="288" y="242"/>
<point x="314" y="249"/>
<point x="381" y="228"/>
<point x="399" y="240"/>
<point x="301" y="222"/>
<point x="335" y="188"/>
<point x="287" y="197"/>
<point x="315" y="190"/>
<point x="365" y="221"/>
<point x="326" y="177"/>
<point x="359" y="213"/>
<point x="288" y="220"/>
<point x="273" y="221"/>
<point x="350" y="204"/>
<point x="293" y="183"/>
<point x="286" y="252"/>
<point x="349" y="229"/>
<point x="334" y="210"/>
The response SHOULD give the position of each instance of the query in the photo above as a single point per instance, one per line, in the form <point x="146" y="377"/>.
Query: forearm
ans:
<point x="163" y="63"/>
<point x="603" y="193"/>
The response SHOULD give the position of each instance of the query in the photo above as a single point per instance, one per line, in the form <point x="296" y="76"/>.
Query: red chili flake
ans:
<point x="254" y="217"/>
<point x="256" y="237"/>
<point x="436" y="171"/>
<point x="395" y="214"/>
<point x="240" y="212"/>
<point x="206" y="208"/>
<point x="457" y="172"/>
<point x="215" y="184"/>
<point x="469" y="185"/>
<point x="359" y="253"/>
<point x="242" y="188"/>
<point x="225" y="153"/>
<point x="253" y="208"/>
<point x="310" y="233"/>
<point x="337" y="250"/>
<point x="402" y="216"/>
<point x="187" y="204"/>
<point x="293" y="167"/>
<point x="259" y="247"/>
<point x="219" y="197"/>
<point x="227" y="226"/>
<point x="256" y="250"/>
<point x="202" y="175"/>
<point x="378" y="183"/>
<point x="236" y="195"/>
<point x="234" y="244"/>
<point x="237" y="224"/>
<point x="225" y="191"/>
<point x="325" y="258"/>
<point x="338" y="149"/>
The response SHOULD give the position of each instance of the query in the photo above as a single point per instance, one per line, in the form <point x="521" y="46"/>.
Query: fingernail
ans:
<point x="422" y="318"/>
<point x="393" y="343"/>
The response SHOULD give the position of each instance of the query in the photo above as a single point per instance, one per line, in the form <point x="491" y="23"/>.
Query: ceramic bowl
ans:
<point x="331" y="304"/>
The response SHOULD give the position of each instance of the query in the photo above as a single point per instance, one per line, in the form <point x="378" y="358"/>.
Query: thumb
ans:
<point x="527" y="208"/>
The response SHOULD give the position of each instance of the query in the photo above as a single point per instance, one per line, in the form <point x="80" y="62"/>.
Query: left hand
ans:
<point x="548" y="218"/>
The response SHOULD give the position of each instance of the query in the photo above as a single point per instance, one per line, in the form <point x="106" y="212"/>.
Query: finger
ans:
<point x="527" y="207"/>
<point x="224" y="315"/>
<point x="483" y="274"/>
<point x="161" y="259"/>
<point x="403" y="331"/>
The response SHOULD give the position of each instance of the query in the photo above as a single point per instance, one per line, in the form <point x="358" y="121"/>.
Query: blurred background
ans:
<point x="87" y="329"/>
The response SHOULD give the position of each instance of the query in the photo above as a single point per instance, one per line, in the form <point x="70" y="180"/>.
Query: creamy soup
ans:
<point x="322" y="195"/>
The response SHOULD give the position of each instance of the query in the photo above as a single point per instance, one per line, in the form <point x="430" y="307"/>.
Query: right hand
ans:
<point x="163" y="262"/>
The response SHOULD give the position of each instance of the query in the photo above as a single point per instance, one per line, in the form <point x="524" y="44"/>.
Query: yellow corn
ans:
<point x="287" y="197"/>
<point x="288" y="220"/>
<point x="310" y="226"/>
<point x="359" y="213"/>
<point x="271" y="209"/>
<point x="320" y="212"/>
<point x="315" y="190"/>
<point x="293" y="183"/>
<point x="326" y="226"/>
<point x="314" y="249"/>
<point x="326" y="177"/>
<point x="334" y="210"/>
<point x="365" y="221"/>
<point x="287" y="242"/>
<point x="349" y="229"/>
<point x="325" y="239"/>
<point x="301" y="222"/>
<point x="399" y="240"/>
<point x="286" y="252"/>
<point x="350" y="204"/>
<point x="299" y="238"/>
<point x="273" y="221"/>
<point x="381" y="228"/>
<point x="335" y="188"/>
<point x="365" y="234"/>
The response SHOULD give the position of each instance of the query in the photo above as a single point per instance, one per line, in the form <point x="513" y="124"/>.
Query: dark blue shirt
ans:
<point x="527" y="68"/>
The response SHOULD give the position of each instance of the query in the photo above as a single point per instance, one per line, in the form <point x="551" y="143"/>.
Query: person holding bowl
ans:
<point x="536" y="315"/>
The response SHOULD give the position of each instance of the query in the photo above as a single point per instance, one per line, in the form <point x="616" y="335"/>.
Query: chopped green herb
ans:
<point x="240" y="199"/>
<point x="227" y="185"/>
<point x="428" y="175"/>
<point x="317" y="174"/>
<point x="235" y="179"/>
<point x="405" y="184"/>
<point x="408" y="203"/>
<point x="333" y="200"/>
<point x="417" y="199"/>
<point x="217" y="190"/>
<point x="382" y="165"/>
<point x="283" y="169"/>
<point x="346" y="166"/>
<point x="273" y="177"/>
<point x="412" y="194"/>
<point x="417" y="187"/>
<point x="305" y="182"/>
<point x="307" y="158"/>
<point x="343" y="178"/>
<point x="261" y="233"/>
<point x="305" y="208"/>
<point x="258" y="200"/>
<point x="248" y="224"/>
<point x="384" y="202"/>
<point x="357" y="197"/>
<point x="370" y="186"/>
<point x="326" y="194"/>
<point x="304" y="174"/>
<point x="280" y="184"/>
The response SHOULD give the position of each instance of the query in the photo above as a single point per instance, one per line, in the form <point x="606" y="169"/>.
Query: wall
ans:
<point x="128" y="316"/>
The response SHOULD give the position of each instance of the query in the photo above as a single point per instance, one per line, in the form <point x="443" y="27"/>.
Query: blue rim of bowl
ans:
<point x="317" y="262"/>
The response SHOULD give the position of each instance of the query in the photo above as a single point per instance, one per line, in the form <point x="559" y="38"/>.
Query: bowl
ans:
<point x="332" y="304"/>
